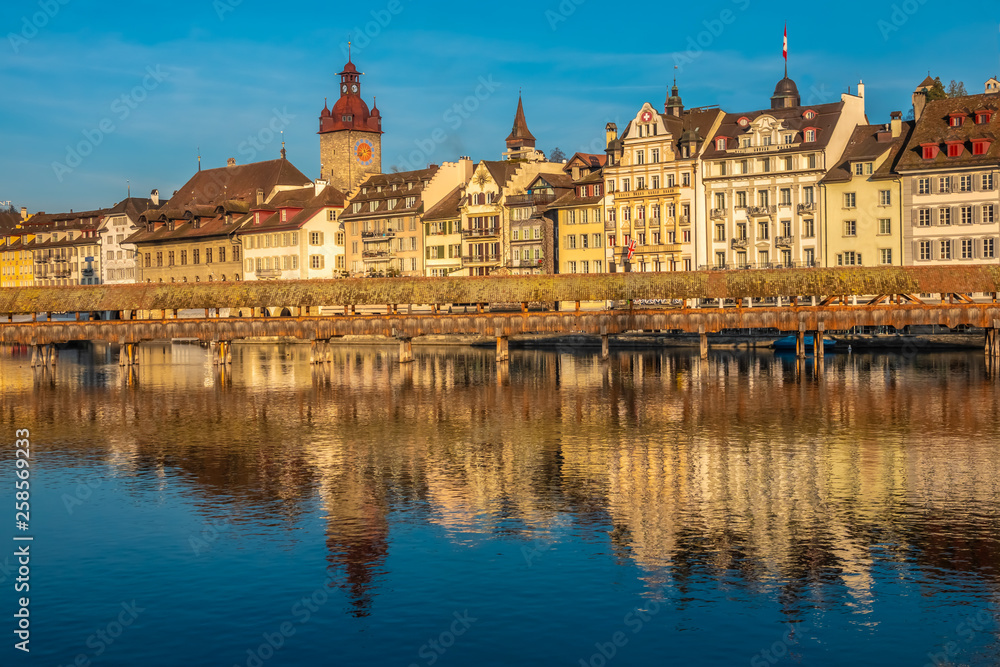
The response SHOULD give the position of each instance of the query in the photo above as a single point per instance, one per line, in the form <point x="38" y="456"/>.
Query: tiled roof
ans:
<point x="591" y="160"/>
<point x="329" y="197"/>
<point x="133" y="207"/>
<point x="238" y="182"/>
<point x="555" y="180"/>
<point x="377" y="203"/>
<point x="519" y="133"/>
<point x="501" y="170"/>
<point x="933" y="128"/>
<point x="447" y="208"/>
<point x="826" y="119"/>
<point x="9" y="219"/>
<point x="864" y="145"/>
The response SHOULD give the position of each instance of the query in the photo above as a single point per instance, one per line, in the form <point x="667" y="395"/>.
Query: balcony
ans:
<point x="740" y="243"/>
<point x="806" y="208"/>
<point x="659" y="248"/>
<point x="541" y="199"/>
<point x="684" y="220"/>
<point x="526" y="263"/>
<point x="609" y="226"/>
<point x="479" y="260"/>
<point x="640" y="223"/>
<point x="718" y="212"/>
<point x="657" y="192"/>
<point x="785" y="240"/>
<point x="264" y="274"/>
<point x="762" y="210"/>
<point x="374" y="254"/>
<point x="481" y="233"/>
<point x="375" y="237"/>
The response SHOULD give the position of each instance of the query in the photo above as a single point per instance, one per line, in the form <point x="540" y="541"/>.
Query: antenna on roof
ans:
<point x="282" y="144"/>
<point x="128" y="186"/>
<point x="199" y="158"/>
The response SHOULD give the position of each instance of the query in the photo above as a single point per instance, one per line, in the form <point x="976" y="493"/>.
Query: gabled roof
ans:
<point x="791" y="118"/>
<point x="330" y="197"/>
<point x="864" y="146"/>
<point x="590" y="160"/>
<point x="934" y="128"/>
<point x="239" y="182"/>
<point x="501" y="170"/>
<point x="9" y="219"/>
<point x="133" y="207"/>
<point x="447" y="208"/>
<point x="377" y="203"/>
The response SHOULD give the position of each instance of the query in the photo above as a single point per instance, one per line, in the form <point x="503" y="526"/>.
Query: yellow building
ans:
<point x="580" y="228"/>
<point x="16" y="266"/>
<point x="863" y="199"/>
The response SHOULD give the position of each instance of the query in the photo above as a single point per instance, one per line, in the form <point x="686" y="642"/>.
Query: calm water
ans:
<point x="654" y="510"/>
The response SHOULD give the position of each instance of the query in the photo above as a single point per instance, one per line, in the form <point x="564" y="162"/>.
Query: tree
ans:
<point x="956" y="89"/>
<point x="937" y="91"/>
<point x="557" y="155"/>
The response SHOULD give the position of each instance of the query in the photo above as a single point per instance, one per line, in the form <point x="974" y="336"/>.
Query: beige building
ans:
<point x="762" y="171"/>
<point x="863" y="197"/>
<point x="443" y="236"/>
<point x="654" y="187"/>
<point x="580" y="228"/>
<point x="949" y="172"/>
<point x="66" y="248"/>
<point x="119" y="264"/>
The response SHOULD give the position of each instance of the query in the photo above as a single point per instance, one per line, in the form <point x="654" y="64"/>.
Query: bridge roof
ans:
<point x="506" y="289"/>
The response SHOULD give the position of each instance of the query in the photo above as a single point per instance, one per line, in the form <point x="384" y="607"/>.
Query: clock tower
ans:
<point x="350" y="135"/>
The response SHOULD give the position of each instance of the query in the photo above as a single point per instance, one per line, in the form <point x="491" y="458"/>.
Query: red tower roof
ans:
<point x="520" y="136"/>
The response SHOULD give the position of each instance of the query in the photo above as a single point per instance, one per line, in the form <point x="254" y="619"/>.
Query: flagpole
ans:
<point x="784" y="50"/>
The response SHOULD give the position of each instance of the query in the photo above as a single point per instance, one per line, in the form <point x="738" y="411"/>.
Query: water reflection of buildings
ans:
<point x="737" y="468"/>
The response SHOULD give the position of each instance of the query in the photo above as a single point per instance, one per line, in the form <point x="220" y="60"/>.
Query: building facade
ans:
<point x="350" y="135"/>
<point x="443" y="236"/>
<point x="762" y="171"/>
<point x="949" y="171"/>
<point x="66" y="248"/>
<point x="119" y="259"/>
<point x="16" y="265"/>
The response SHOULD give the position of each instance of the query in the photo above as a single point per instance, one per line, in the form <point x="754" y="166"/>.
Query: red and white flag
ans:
<point x="631" y="249"/>
<point x="784" y="45"/>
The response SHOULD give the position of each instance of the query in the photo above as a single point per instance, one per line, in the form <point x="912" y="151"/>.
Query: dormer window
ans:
<point x="743" y="122"/>
<point x="954" y="148"/>
<point x="980" y="146"/>
<point x="364" y="191"/>
<point x="392" y="203"/>
<point x="284" y="215"/>
<point x="378" y="188"/>
<point x="810" y="135"/>
<point x="597" y="190"/>
<point x="956" y="119"/>
<point x="929" y="151"/>
<point x="411" y="202"/>
<point x="863" y="168"/>
<point x="809" y="114"/>
<point x="983" y="117"/>
<point x="356" y="207"/>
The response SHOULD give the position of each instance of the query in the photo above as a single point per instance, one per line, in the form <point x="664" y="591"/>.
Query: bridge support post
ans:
<point x="818" y="358"/>
<point x="800" y="340"/>
<point x="993" y="340"/>
<point x="703" y="342"/>
<point x="51" y="354"/>
<point x="36" y="355"/>
<point x="605" y="343"/>
<point x="405" y="350"/>
<point x="503" y="346"/>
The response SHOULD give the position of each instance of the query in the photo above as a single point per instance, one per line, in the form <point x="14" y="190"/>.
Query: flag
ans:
<point x="631" y="249"/>
<point x="784" y="45"/>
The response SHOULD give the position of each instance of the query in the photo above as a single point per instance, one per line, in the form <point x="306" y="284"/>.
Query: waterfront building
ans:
<point x="350" y="135"/>
<point x="762" y="172"/>
<point x="383" y="218"/>
<point x="16" y="265"/>
<point x="580" y="226"/>
<point x="295" y="235"/>
<point x="443" y="236"/>
<point x="949" y="173"/>
<point x="534" y="223"/>
<point x="118" y="263"/>
<point x="654" y="188"/>
<point x="862" y="222"/>
<point x="66" y="248"/>
<point x="194" y="237"/>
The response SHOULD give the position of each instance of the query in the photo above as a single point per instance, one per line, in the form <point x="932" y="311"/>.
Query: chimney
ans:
<point x="611" y="132"/>
<point x="897" y="123"/>
<point x="231" y="162"/>
<point x="24" y="213"/>
<point x="154" y="196"/>
<point x="861" y="89"/>
<point x="320" y="186"/>
<point x="260" y="196"/>
<point x="919" y="102"/>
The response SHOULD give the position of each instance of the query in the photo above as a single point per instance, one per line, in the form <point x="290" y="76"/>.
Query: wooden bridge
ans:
<point x="799" y="301"/>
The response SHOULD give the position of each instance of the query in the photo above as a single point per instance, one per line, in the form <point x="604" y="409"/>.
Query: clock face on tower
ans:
<point x="354" y="87"/>
<point x="646" y="116"/>
<point x="364" y="152"/>
<point x="343" y="88"/>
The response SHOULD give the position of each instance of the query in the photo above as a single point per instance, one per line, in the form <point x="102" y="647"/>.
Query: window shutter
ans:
<point x="322" y="261"/>
<point x="916" y="252"/>
<point x="914" y="216"/>
<point x="956" y="215"/>
<point x="976" y="215"/>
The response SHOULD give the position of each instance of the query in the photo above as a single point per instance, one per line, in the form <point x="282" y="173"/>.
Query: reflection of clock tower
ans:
<point x="350" y="136"/>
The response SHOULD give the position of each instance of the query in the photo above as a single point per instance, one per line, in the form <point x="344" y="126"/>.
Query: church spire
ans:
<point x="520" y="136"/>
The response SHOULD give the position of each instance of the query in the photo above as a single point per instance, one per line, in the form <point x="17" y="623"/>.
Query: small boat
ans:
<point x="788" y="343"/>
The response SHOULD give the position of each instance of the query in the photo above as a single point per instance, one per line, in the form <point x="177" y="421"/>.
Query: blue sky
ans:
<point x="139" y="90"/>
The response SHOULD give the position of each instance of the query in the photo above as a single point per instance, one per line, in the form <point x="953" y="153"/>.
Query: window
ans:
<point x="720" y="144"/>
<point x="626" y="186"/>
<point x="741" y="231"/>
<point x="884" y="226"/>
<point x="640" y="183"/>
<point x="884" y="197"/>
<point x="741" y="259"/>
<point x="988" y="213"/>
<point x="316" y="261"/>
<point x="741" y="199"/>
<point x="316" y="238"/>
<point x="572" y="267"/>
<point x="571" y="241"/>
<point x="236" y="256"/>
<point x="849" y="258"/>
<point x="945" y="247"/>
<point x="811" y="161"/>
<point x="410" y="202"/>
<point x="720" y="259"/>
<point x="744" y="166"/>
<point x="654" y="155"/>
<point x="807" y="194"/>
<point x="923" y="186"/>
<point x="222" y="255"/>
<point x="810" y="256"/>
<point x="944" y="216"/>
<point x="989" y="249"/>
<point x="596" y="243"/>
<point x="786" y="228"/>
<point x="944" y="184"/>
<point x="584" y="241"/>
<point x="586" y="266"/>
<point x="987" y="182"/>
<point x="656" y="182"/>
<point x="885" y="255"/>
<point x="184" y="257"/>
<point x="640" y="157"/>
<point x="208" y="255"/>
<point x="929" y="151"/>
<point x="965" y="215"/>
<point x="159" y="259"/>
<point x="810" y="135"/>
<point x="720" y="232"/>
<point x="785" y="196"/>
<point x="809" y="228"/>
<point x="954" y="149"/>
<point x="925" y="250"/>
<point x="671" y="180"/>
<point x="538" y="232"/>
<point x="980" y="147"/>
<point x="146" y="260"/>
<point x="968" y="249"/>
<point x="850" y="227"/>
<point x="850" y="200"/>
<point x="965" y="183"/>
<point x="720" y="200"/>
<point x="765" y="164"/>
<point x="763" y="230"/>
<point x="686" y="179"/>
<point x="924" y="217"/>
